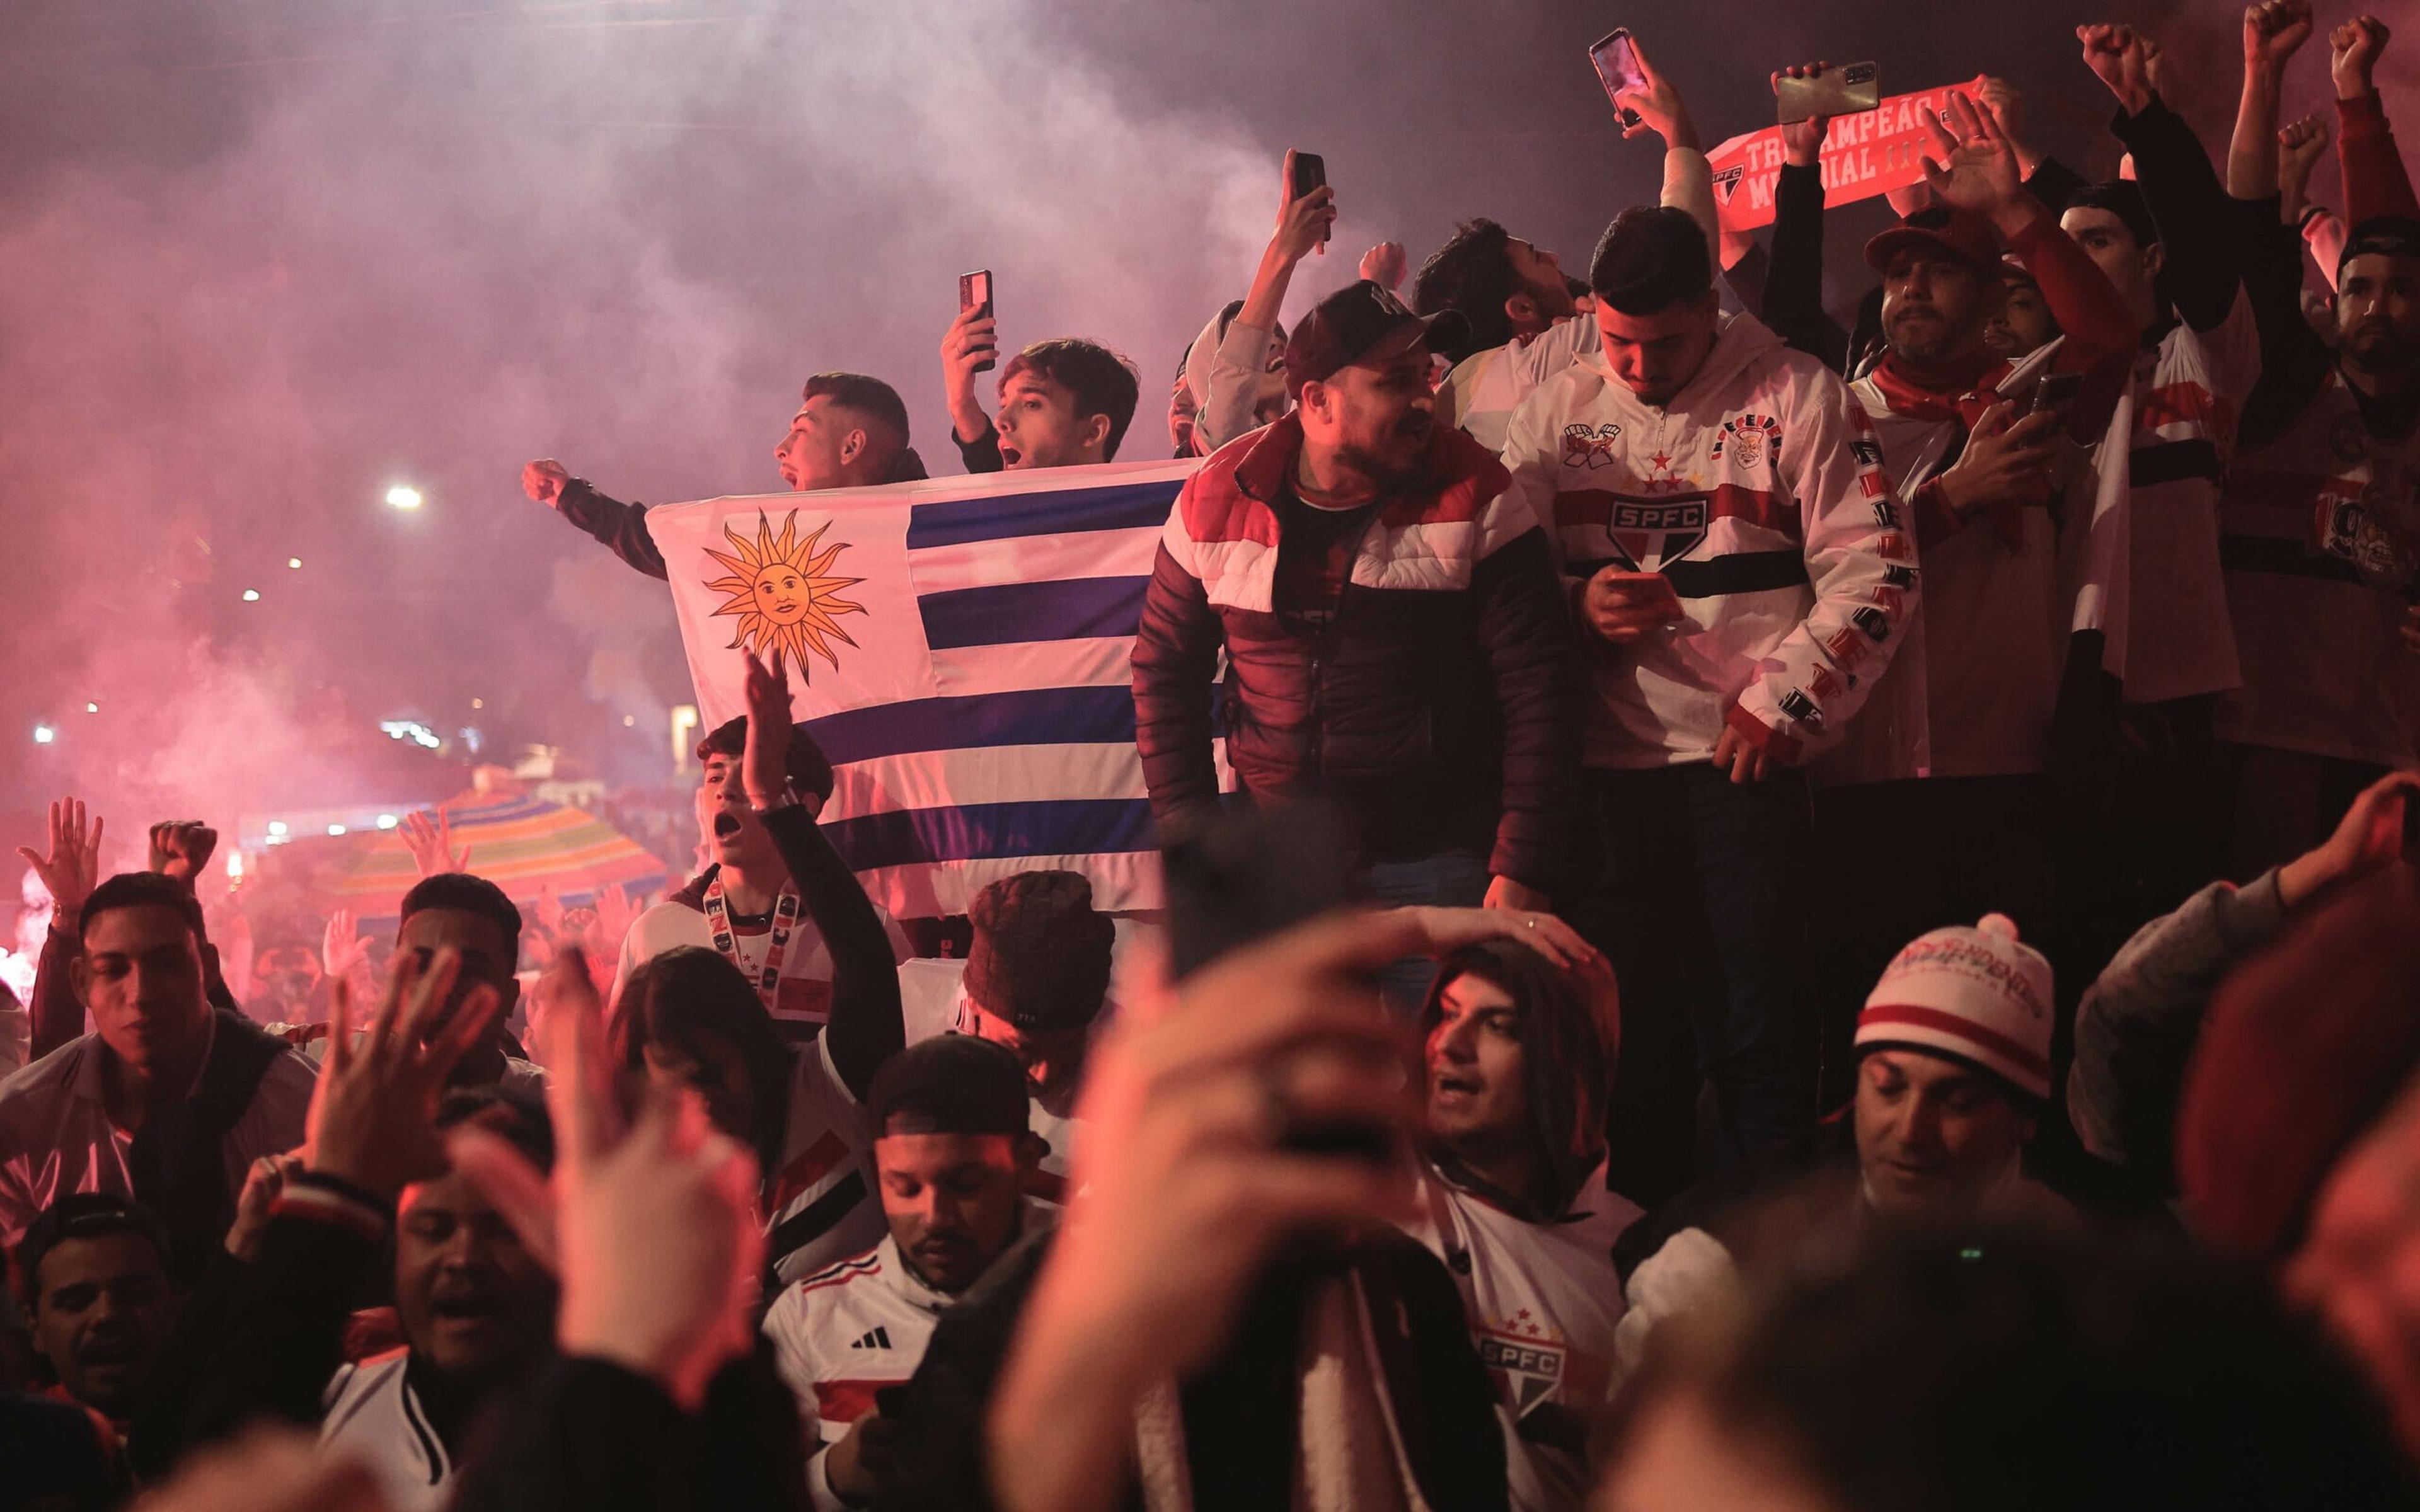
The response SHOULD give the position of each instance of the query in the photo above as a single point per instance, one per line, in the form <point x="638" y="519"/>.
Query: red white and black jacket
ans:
<point x="1436" y="706"/>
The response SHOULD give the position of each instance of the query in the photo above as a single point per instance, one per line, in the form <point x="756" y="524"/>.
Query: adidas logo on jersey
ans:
<point x="879" y="1339"/>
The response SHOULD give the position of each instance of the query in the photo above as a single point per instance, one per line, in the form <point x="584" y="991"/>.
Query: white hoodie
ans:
<point x="1758" y="493"/>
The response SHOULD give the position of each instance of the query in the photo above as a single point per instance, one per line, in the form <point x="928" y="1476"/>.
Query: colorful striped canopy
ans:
<point x="520" y="844"/>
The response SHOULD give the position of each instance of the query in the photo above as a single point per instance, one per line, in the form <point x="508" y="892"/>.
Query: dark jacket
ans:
<point x="1438" y="707"/>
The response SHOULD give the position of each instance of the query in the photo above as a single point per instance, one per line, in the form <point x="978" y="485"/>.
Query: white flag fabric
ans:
<point x="960" y="649"/>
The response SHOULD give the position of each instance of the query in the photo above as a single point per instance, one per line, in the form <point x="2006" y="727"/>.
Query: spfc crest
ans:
<point x="1526" y="1369"/>
<point x="1650" y="533"/>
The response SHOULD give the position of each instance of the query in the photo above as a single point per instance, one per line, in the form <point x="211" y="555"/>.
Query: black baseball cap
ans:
<point x="1357" y="321"/>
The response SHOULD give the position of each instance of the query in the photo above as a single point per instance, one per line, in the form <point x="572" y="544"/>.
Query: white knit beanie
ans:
<point x="1976" y="994"/>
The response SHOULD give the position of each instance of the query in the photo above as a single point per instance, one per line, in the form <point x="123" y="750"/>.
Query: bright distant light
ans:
<point x="335" y="829"/>
<point x="630" y="719"/>
<point x="296" y="563"/>
<point x="252" y="595"/>
<point x="44" y="734"/>
<point x="277" y="827"/>
<point x="403" y="496"/>
<point x="388" y="820"/>
<point x="92" y="708"/>
<point x="235" y="866"/>
<point x="478" y="704"/>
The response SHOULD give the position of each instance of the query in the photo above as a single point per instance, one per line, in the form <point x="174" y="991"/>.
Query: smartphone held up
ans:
<point x="1845" y="90"/>
<point x="1616" y="67"/>
<point x="974" y="293"/>
<point x="1306" y="171"/>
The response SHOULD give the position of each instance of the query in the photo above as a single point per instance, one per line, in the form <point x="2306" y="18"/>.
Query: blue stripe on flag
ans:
<point x="990" y="831"/>
<point x="1118" y="507"/>
<point x="1069" y="608"/>
<point x="1036" y="716"/>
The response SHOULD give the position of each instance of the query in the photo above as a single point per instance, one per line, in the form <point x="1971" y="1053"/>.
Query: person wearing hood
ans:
<point x="1742" y="574"/>
<point x="1519" y="1053"/>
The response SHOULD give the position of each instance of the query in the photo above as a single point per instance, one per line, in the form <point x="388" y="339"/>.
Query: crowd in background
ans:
<point x="1880" y="972"/>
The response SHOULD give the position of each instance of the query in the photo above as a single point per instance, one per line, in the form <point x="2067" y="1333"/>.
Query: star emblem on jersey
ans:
<point x="1524" y="1359"/>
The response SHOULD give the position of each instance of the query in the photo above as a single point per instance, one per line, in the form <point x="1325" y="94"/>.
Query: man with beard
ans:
<point x="955" y="1157"/>
<point x="474" y="1307"/>
<point x="1948" y="761"/>
<point x="1394" y="635"/>
<point x="2320" y="526"/>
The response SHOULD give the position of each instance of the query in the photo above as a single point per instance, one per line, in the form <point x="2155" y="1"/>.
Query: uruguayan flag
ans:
<point x="959" y="646"/>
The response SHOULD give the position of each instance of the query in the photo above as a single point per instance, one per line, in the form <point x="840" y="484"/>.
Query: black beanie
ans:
<point x="1040" y="954"/>
<point x="953" y="1084"/>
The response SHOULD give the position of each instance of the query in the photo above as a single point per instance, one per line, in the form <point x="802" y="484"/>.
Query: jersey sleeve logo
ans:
<point x="1747" y="438"/>
<point x="1584" y="447"/>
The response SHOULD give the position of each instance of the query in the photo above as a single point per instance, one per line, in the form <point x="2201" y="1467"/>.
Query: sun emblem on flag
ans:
<point x="783" y="591"/>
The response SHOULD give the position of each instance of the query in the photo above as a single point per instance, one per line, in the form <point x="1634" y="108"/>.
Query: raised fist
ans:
<point x="543" y="481"/>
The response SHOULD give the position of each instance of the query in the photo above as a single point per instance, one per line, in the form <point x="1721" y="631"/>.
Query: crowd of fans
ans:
<point x="1883" y="977"/>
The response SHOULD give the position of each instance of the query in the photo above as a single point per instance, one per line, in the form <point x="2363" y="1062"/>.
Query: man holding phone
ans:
<point x="1741" y="576"/>
<point x="1062" y="404"/>
<point x="1526" y="324"/>
<point x="1395" y="637"/>
<point x="1950" y="761"/>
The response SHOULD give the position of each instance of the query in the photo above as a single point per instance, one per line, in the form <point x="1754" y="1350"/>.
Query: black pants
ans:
<point x="1700" y="899"/>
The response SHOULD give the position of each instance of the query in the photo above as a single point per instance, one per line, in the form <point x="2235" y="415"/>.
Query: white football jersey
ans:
<point x="850" y="1330"/>
<point x="1542" y="1301"/>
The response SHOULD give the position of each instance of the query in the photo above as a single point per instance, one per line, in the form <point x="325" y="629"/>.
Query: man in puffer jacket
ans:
<point x="1396" y="639"/>
<point x="1742" y="574"/>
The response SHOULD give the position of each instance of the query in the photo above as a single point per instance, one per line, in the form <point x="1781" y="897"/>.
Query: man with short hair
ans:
<point x="2320" y="527"/>
<point x="1743" y="575"/>
<point x="1526" y="323"/>
<point x="471" y="917"/>
<point x="476" y="1308"/>
<point x="850" y="432"/>
<point x="1953" y="1076"/>
<point x="93" y="1278"/>
<point x="744" y="906"/>
<point x="168" y="1101"/>
<point x="1062" y="404"/>
<point x="955" y="1157"/>
<point x="1394" y="635"/>
<point x="1035" y="980"/>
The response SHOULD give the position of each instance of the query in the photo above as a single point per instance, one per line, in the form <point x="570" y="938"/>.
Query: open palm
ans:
<point x="1969" y="163"/>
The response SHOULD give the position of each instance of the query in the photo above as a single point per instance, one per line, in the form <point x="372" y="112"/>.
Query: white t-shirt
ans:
<point x="1544" y="1301"/>
<point x="821" y="1205"/>
<point x="803" y="1001"/>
